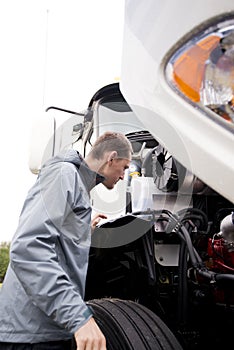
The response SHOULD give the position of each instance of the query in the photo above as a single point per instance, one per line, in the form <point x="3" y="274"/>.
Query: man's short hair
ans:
<point x="112" y="141"/>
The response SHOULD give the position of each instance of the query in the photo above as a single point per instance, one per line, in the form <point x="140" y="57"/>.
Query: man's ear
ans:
<point x="112" y="156"/>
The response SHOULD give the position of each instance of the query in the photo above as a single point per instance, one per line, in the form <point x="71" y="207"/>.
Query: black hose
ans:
<point x="206" y="274"/>
<point x="147" y="157"/>
<point x="195" y="218"/>
<point x="196" y="214"/>
<point x="182" y="286"/>
<point x="192" y="255"/>
<point x="224" y="277"/>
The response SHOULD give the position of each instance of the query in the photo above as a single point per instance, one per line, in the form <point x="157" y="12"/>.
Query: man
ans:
<point x="42" y="298"/>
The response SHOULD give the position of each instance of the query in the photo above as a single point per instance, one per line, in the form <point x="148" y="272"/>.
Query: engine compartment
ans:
<point x="171" y="246"/>
<point x="179" y="260"/>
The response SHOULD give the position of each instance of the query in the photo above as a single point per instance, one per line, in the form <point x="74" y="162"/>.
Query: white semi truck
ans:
<point x="161" y="271"/>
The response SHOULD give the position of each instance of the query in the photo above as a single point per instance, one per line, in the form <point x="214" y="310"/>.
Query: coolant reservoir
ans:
<point x="142" y="193"/>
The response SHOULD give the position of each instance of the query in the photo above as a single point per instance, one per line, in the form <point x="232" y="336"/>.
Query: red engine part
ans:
<point x="222" y="256"/>
<point x="221" y="260"/>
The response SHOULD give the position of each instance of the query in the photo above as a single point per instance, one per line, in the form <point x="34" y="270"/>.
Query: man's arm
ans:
<point x="34" y="256"/>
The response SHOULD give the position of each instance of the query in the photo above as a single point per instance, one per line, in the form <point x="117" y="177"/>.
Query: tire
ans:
<point x="131" y="326"/>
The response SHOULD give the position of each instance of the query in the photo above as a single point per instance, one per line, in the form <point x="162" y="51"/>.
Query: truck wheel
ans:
<point x="128" y="325"/>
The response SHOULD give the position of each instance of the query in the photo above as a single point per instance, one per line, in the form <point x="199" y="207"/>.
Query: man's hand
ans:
<point x="96" y="219"/>
<point x="90" y="337"/>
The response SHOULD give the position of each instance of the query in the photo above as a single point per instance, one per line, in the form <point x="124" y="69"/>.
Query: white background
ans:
<point x="57" y="52"/>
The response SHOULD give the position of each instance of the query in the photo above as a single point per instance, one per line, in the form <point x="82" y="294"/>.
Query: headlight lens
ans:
<point x="202" y="70"/>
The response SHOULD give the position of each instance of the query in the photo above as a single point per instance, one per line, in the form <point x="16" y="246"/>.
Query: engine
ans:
<point x="178" y="259"/>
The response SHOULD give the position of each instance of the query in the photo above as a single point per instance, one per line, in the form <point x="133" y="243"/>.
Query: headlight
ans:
<point x="202" y="70"/>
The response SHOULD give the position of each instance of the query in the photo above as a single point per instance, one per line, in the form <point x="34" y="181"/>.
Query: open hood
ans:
<point x="175" y="69"/>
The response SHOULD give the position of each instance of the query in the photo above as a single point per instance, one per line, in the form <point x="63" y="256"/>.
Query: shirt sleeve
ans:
<point x="33" y="250"/>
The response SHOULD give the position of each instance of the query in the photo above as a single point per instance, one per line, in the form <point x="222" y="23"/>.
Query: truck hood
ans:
<point x="153" y="31"/>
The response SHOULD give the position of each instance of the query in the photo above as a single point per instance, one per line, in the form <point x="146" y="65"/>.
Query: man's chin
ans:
<point x="109" y="187"/>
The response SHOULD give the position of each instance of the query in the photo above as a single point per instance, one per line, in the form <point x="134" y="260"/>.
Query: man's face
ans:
<point x="114" y="171"/>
